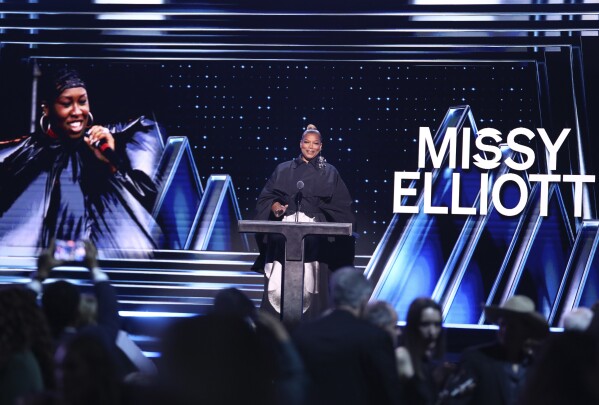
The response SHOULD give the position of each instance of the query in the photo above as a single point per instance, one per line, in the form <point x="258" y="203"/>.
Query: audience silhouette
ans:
<point x="70" y="350"/>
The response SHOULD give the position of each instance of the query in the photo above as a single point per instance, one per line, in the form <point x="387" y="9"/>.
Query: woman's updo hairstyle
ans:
<point x="311" y="129"/>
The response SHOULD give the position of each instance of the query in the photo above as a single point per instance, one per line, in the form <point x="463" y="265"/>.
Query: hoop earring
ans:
<point x="90" y="116"/>
<point x="47" y="129"/>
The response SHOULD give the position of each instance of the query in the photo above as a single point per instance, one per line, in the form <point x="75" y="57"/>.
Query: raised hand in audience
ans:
<point x="46" y="262"/>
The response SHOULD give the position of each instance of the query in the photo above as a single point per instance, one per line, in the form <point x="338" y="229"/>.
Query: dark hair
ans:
<point x="311" y="129"/>
<point x="24" y="327"/>
<point x="232" y="302"/>
<point x="60" y="303"/>
<point x="565" y="371"/>
<point x="89" y="374"/>
<point x="413" y="339"/>
<point x="215" y="359"/>
<point x="594" y="326"/>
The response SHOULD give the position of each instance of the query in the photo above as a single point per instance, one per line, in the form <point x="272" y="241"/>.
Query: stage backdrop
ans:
<point x="464" y="133"/>
<point x="242" y="119"/>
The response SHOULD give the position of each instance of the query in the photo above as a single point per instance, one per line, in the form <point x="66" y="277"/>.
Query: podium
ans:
<point x="293" y="268"/>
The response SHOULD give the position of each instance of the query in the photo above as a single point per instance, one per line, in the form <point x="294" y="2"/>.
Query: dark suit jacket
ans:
<point x="488" y="365"/>
<point x="349" y="360"/>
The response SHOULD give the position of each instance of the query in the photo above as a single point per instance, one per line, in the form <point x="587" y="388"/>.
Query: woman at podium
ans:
<point x="305" y="189"/>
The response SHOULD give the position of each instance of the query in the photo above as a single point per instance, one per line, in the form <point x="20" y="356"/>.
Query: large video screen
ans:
<point x="241" y="119"/>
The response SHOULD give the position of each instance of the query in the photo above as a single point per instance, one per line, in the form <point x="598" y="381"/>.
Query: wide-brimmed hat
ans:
<point x="519" y="307"/>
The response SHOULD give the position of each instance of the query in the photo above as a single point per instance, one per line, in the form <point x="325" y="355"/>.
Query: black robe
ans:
<point x="324" y="197"/>
<point x="57" y="188"/>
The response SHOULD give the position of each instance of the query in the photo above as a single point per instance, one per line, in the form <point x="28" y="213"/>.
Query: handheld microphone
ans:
<point x="298" y="198"/>
<point x="107" y="152"/>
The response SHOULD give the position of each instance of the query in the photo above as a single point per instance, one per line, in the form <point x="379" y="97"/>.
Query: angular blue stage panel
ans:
<point x="417" y="259"/>
<point x="467" y="261"/>
<point x="215" y="225"/>
<point x="538" y="255"/>
<point x="589" y="284"/>
<point x="476" y="269"/>
<point x="179" y="192"/>
<point x="580" y="286"/>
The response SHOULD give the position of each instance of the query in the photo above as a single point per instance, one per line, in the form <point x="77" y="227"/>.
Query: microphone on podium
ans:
<point x="298" y="198"/>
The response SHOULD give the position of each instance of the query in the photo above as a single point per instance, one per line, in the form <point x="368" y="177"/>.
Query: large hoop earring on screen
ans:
<point x="90" y="119"/>
<point x="45" y="128"/>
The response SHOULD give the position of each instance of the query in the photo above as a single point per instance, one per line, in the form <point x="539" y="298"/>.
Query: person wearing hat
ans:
<point x="76" y="180"/>
<point x="499" y="368"/>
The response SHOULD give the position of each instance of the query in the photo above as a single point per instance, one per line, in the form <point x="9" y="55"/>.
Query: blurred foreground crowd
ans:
<point x="59" y="346"/>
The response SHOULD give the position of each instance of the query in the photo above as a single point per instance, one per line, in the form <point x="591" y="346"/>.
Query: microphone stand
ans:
<point x="298" y="199"/>
<point x="298" y="204"/>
